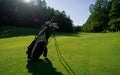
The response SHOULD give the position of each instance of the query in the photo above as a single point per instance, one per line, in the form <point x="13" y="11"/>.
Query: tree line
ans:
<point x="105" y="16"/>
<point x="32" y="14"/>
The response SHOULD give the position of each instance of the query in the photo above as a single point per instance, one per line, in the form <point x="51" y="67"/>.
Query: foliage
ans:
<point x="104" y="17"/>
<point x="32" y="14"/>
<point x="114" y="23"/>
<point x="65" y="23"/>
<point x="76" y="28"/>
<point x="98" y="20"/>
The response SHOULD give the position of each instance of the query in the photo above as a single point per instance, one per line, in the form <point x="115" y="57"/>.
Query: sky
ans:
<point x="78" y="10"/>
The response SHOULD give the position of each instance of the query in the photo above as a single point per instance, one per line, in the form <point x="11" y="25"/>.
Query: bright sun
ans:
<point x="27" y="1"/>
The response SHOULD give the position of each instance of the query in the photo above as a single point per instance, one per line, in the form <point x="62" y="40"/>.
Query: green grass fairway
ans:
<point x="86" y="54"/>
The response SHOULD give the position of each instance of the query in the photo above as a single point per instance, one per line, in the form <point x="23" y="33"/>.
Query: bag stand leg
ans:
<point x="45" y="52"/>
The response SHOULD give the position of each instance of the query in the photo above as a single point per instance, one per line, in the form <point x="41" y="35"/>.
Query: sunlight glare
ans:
<point x="27" y="1"/>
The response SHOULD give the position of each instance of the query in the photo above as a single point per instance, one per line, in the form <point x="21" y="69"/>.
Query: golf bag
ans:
<point x="39" y="44"/>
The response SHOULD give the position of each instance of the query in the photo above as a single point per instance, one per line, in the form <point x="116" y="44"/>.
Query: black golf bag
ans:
<point x="39" y="44"/>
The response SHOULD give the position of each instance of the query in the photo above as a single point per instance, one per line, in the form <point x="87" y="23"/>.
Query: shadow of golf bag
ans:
<point x="39" y="44"/>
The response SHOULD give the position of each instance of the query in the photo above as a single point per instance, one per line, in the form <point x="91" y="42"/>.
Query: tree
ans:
<point x="114" y="23"/>
<point x="33" y="14"/>
<point x="98" y="20"/>
<point x="76" y="29"/>
<point x="65" y="23"/>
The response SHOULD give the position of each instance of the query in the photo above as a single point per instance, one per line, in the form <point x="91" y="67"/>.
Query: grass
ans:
<point x="10" y="31"/>
<point x="86" y="54"/>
